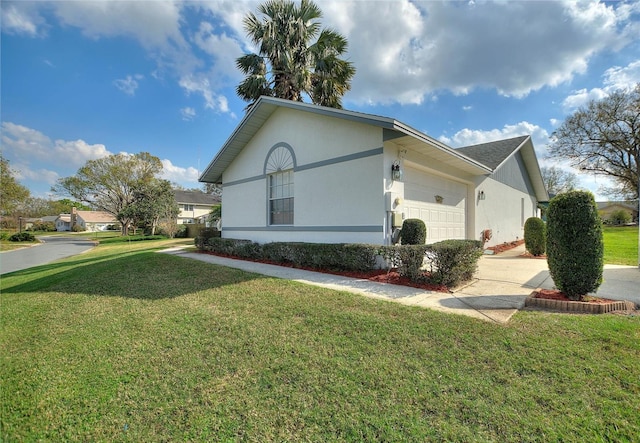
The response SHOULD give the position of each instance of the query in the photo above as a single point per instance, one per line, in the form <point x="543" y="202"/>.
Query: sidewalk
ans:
<point x="499" y="289"/>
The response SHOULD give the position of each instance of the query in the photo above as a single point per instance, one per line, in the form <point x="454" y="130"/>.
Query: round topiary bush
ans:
<point x="574" y="243"/>
<point x="535" y="237"/>
<point x="414" y="232"/>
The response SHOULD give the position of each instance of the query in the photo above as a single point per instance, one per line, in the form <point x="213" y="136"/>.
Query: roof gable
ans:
<point x="264" y="107"/>
<point x="495" y="153"/>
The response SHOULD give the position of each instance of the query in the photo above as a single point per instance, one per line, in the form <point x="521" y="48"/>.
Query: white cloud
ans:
<point x="404" y="51"/>
<point x="129" y="84"/>
<point x="615" y="78"/>
<point x="200" y="84"/>
<point x="27" y="146"/>
<point x="468" y="137"/>
<point x="186" y="176"/>
<point x="21" y="18"/>
<point x="188" y="113"/>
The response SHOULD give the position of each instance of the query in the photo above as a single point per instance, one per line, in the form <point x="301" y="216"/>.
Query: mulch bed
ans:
<point x="554" y="294"/>
<point x="391" y="277"/>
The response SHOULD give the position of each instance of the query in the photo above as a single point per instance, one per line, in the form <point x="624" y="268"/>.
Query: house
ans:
<point x="195" y="206"/>
<point x="294" y="171"/>
<point x="606" y="209"/>
<point x="89" y="220"/>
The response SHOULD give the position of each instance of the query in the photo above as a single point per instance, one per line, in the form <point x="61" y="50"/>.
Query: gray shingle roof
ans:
<point x="492" y="154"/>
<point x="195" y="198"/>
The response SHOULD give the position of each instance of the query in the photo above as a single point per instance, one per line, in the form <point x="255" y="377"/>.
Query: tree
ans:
<point x="13" y="195"/>
<point x="153" y="201"/>
<point x="109" y="183"/>
<point x="558" y="180"/>
<point x="604" y="138"/>
<point x="288" y="64"/>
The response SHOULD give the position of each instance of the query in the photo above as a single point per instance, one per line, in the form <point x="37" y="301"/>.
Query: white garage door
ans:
<point x="444" y="220"/>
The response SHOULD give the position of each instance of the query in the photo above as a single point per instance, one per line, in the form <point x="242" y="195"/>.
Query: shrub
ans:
<point x="78" y="228"/>
<point x="535" y="237"/>
<point x="574" y="243"/>
<point x="22" y="236"/>
<point x="619" y="217"/>
<point x="203" y="236"/>
<point x="454" y="261"/>
<point x="414" y="232"/>
<point x="411" y="261"/>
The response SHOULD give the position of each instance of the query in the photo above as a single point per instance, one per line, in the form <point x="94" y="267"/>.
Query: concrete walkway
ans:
<point x="499" y="289"/>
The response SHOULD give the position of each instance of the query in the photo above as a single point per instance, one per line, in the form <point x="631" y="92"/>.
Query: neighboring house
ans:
<point x="89" y="220"/>
<point x="63" y="222"/>
<point x="293" y="171"/>
<point x="194" y="206"/>
<point x="606" y="209"/>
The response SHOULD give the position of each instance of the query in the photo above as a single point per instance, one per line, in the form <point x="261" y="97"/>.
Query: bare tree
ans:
<point x="558" y="180"/>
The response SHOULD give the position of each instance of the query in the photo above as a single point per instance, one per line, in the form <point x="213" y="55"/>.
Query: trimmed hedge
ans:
<point x="454" y="261"/>
<point x="575" y="245"/>
<point x="413" y="232"/>
<point x="535" y="236"/>
<point x="450" y="262"/>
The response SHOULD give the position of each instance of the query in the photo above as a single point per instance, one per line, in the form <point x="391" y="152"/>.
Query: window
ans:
<point x="281" y="198"/>
<point x="188" y="207"/>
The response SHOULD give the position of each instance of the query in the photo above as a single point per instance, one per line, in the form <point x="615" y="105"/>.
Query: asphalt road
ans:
<point x="52" y="248"/>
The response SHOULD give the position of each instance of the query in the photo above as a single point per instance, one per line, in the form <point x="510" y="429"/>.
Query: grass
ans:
<point x="125" y="344"/>
<point x="621" y="245"/>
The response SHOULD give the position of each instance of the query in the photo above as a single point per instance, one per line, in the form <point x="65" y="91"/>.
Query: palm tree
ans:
<point x="288" y="64"/>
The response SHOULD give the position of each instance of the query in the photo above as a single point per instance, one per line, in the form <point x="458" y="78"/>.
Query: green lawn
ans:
<point x="621" y="245"/>
<point x="125" y="344"/>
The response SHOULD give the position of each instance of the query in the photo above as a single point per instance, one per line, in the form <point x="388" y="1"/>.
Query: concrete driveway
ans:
<point x="51" y="248"/>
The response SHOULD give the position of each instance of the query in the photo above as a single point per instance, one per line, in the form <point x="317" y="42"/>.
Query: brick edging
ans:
<point x="577" y="306"/>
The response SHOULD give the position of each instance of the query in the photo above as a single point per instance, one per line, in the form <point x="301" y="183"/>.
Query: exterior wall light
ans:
<point x="396" y="173"/>
<point x="481" y="195"/>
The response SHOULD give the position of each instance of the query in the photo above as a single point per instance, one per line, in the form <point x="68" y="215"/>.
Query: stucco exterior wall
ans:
<point x="338" y="190"/>
<point x="503" y="210"/>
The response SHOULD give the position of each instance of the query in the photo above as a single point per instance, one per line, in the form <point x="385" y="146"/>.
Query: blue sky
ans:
<point x="85" y="79"/>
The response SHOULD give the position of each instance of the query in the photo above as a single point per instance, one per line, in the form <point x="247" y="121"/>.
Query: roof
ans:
<point x="402" y="134"/>
<point x="96" y="217"/>
<point x="196" y="198"/>
<point x="624" y="204"/>
<point x="494" y="153"/>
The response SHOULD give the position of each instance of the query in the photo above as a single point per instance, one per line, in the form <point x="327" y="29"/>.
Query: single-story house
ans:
<point x="606" y="209"/>
<point x="294" y="171"/>
<point x="195" y="206"/>
<point x="89" y="220"/>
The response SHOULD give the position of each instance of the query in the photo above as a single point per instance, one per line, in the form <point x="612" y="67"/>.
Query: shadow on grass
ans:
<point x="141" y="275"/>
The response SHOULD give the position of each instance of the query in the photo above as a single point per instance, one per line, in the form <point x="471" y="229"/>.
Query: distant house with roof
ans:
<point x="88" y="220"/>
<point x="606" y="209"/>
<point x="194" y="206"/>
<point x="294" y="171"/>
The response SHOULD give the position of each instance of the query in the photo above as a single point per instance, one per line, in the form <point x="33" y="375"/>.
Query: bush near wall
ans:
<point x="535" y="237"/>
<point x="413" y="232"/>
<point x="450" y="262"/>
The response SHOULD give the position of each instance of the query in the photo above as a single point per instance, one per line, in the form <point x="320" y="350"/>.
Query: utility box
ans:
<point x="397" y="219"/>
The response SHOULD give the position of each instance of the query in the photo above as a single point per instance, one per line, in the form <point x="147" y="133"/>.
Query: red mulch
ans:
<point x="497" y="249"/>
<point x="378" y="275"/>
<point x="554" y="294"/>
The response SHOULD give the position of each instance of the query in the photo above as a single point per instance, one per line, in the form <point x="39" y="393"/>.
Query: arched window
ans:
<point x="278" y="168"/>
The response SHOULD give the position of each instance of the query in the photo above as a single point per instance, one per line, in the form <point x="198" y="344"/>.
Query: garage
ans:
<point x="439" y="202"/>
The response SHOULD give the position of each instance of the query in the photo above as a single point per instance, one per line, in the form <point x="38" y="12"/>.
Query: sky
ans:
<point x="81" y="80"/>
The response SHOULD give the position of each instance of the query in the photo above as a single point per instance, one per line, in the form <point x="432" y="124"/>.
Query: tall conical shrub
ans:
<point x="574" y="243"/>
